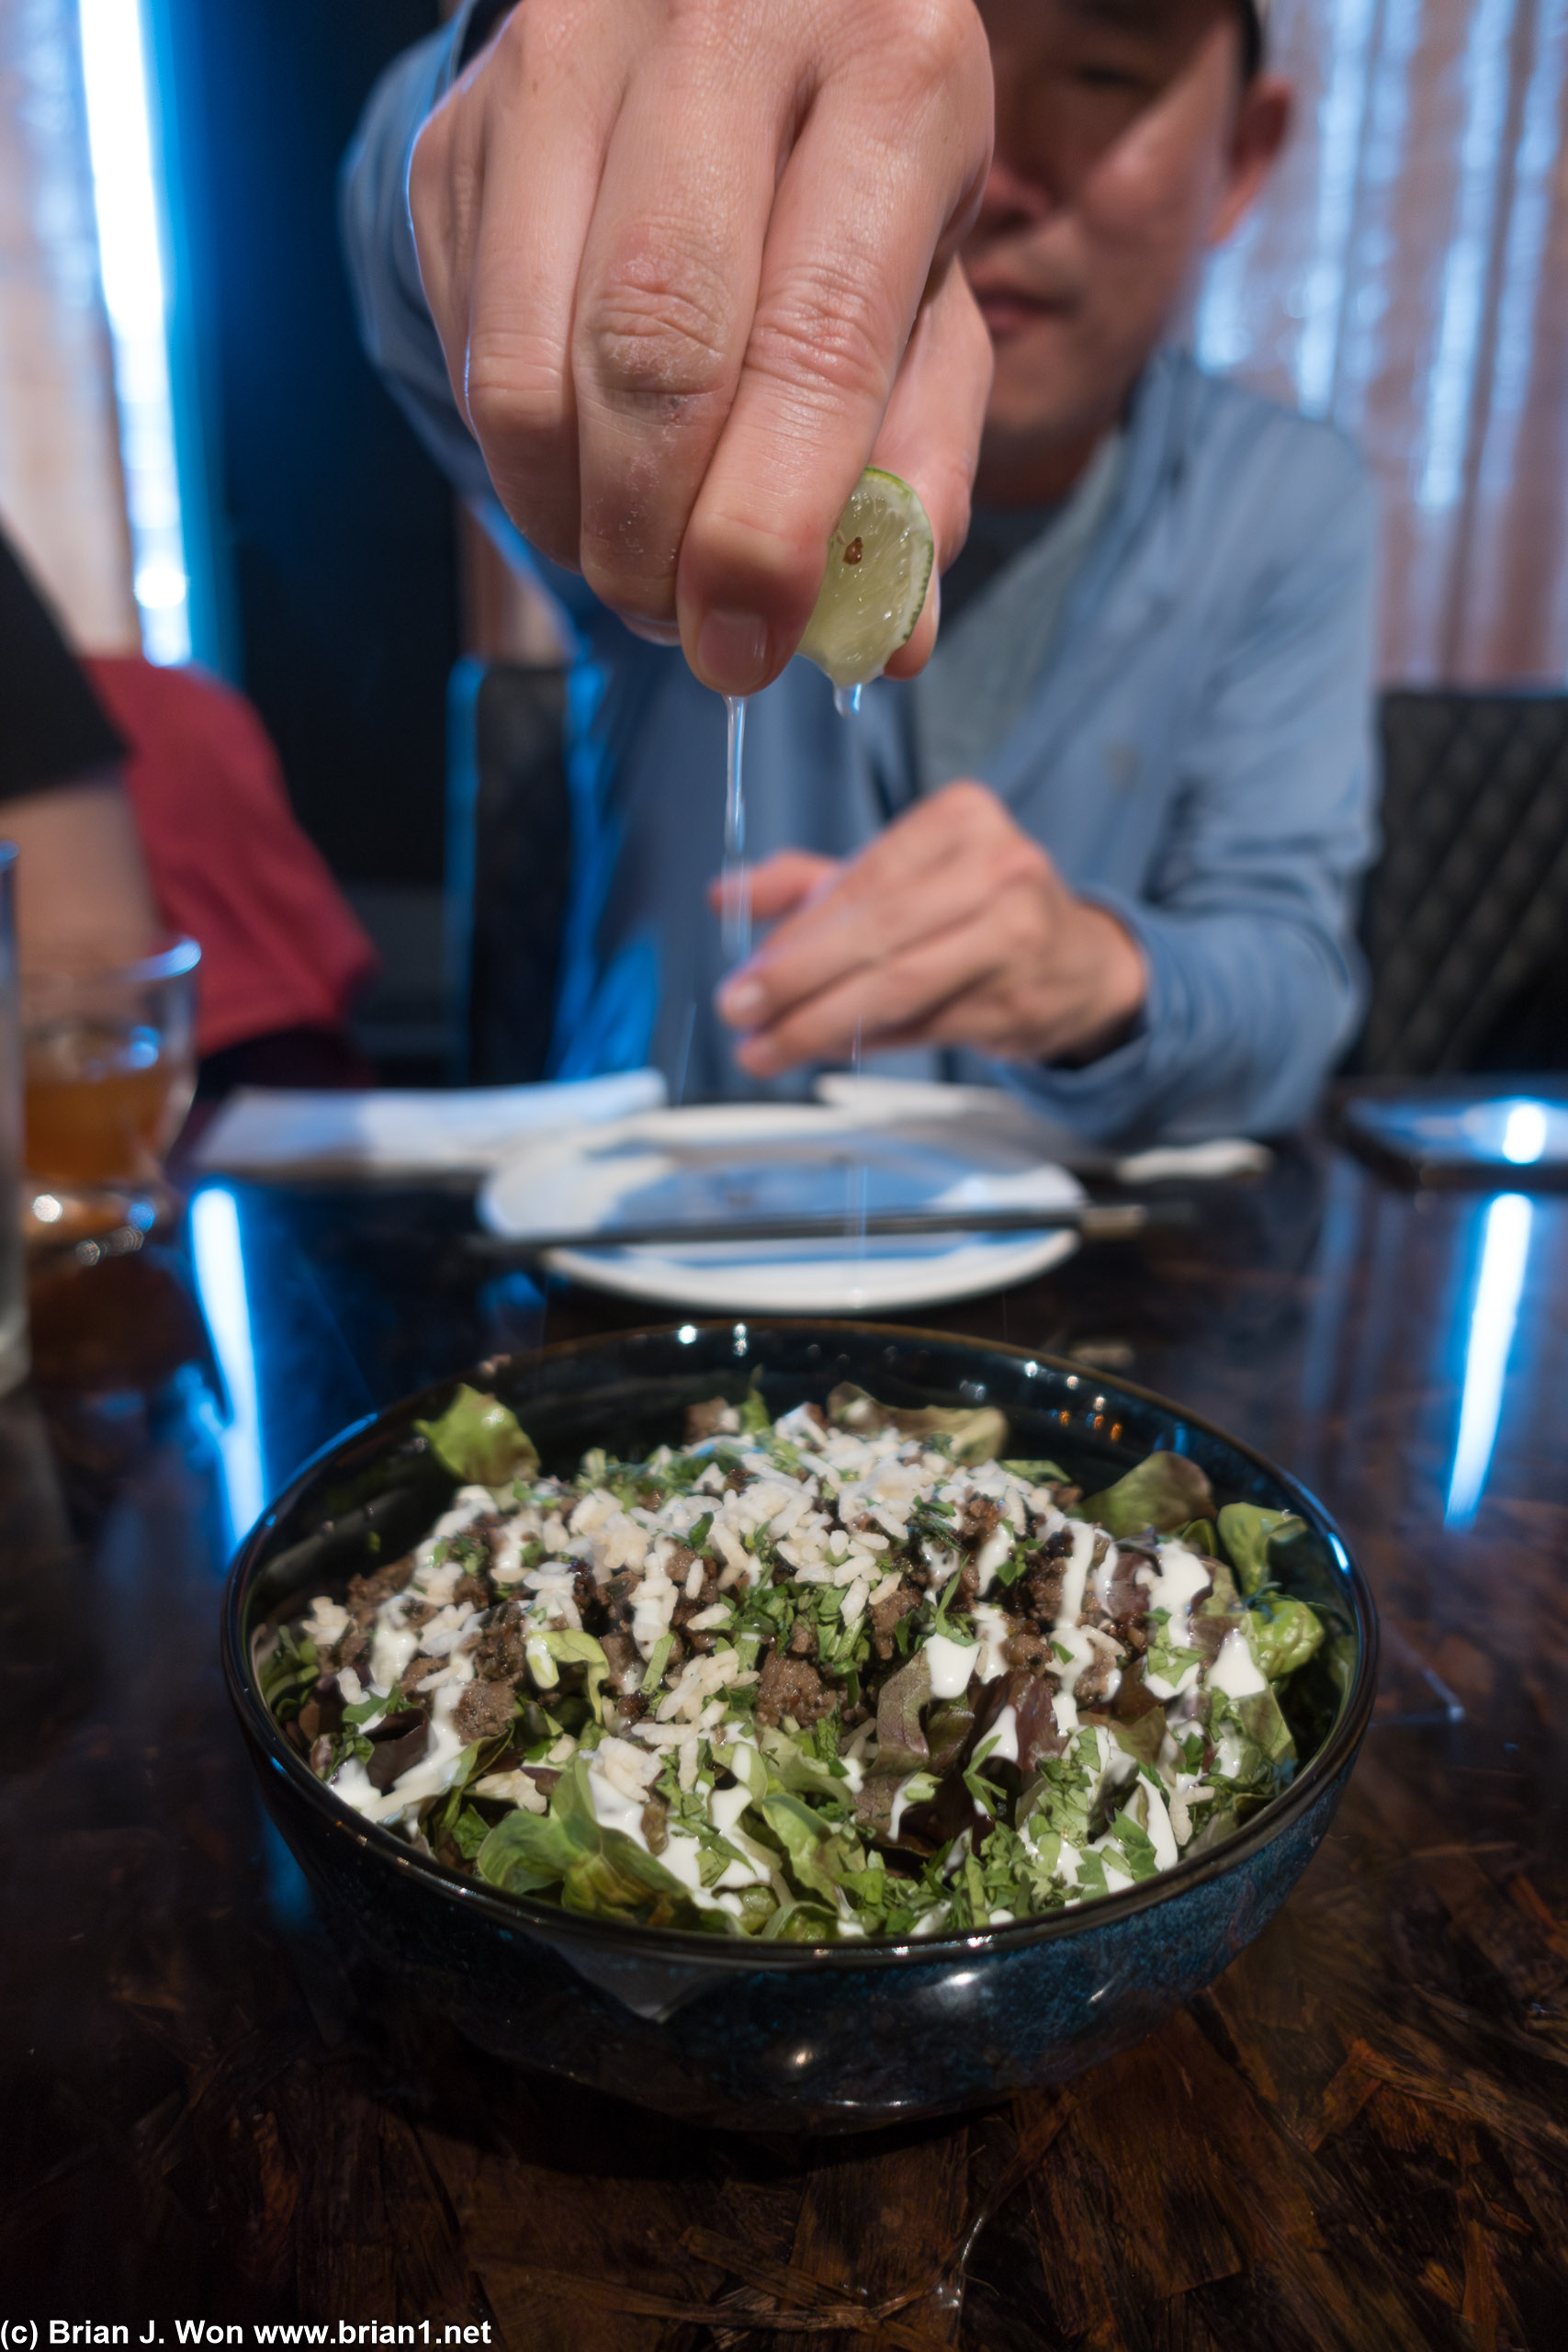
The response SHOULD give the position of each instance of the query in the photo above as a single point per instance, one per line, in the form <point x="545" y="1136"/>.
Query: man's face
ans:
<point x="1125" y="145"/>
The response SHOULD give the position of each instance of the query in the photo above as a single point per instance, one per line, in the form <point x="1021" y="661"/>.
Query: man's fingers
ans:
<point x="944" y="865"/>
<point x="782" y="883"/>
<point x="893" y="148"/>
<point x="665" y="306"/>
<point x="547" y="110"/>
<point x="894" y="998"/>
<point x="931" y="435"/>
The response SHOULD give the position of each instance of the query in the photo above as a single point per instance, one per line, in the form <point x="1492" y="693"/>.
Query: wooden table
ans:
<point x="1358" y="2137"/>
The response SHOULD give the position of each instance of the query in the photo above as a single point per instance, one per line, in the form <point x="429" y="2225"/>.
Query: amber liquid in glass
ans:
<point x="101" y="1106"/>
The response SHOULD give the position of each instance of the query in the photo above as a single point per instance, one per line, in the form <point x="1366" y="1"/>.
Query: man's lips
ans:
<point x="1007" y="309"/>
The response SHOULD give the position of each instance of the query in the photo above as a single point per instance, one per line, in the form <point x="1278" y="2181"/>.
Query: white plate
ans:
<point x="772" y="1158"/>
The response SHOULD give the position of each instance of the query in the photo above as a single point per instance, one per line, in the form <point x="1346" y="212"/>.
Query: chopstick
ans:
<point x="1094" y="1220"/>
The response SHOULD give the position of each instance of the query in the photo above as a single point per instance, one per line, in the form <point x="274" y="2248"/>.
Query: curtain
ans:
<point x="62" y="498"/>
<point x="1406" y="276"/>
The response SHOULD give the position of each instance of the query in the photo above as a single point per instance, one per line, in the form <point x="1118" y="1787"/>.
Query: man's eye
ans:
<point x="1111" y="77"/>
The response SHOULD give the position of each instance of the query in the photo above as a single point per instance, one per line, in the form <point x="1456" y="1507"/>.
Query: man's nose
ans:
<point x="1012" y="200"/>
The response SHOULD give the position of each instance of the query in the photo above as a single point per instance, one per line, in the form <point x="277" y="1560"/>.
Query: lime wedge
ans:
<point x="879" y="567"/>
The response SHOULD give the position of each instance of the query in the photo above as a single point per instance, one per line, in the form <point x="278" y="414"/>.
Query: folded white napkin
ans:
<point x="412" y="1131"/>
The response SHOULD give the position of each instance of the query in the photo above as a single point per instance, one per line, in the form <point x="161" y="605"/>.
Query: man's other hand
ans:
<point x="691" y="263"/>
<point x="954" y="927"/>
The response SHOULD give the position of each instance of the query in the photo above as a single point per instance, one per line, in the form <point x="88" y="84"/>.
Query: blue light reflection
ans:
<point x="1524" y="1134"/>
<point x="219" y="1261"/>
<point x="1494" y="1311"/>
<point x="127" y="199"/>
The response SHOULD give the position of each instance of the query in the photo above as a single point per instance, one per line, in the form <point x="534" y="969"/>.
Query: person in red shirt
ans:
<point x="143" y="798"/>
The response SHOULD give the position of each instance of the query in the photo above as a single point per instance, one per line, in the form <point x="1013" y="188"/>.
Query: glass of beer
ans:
<point x="110" y="1070"/>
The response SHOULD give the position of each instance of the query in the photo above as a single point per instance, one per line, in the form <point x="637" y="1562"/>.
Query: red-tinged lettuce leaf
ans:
<point x="901" y="1743"/>
<point x="975" y="1433"/>
<point x="1164" y="1492"/>
<point x="480" y="1441"/>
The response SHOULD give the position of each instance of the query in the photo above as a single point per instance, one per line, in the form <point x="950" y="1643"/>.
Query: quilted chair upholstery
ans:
<point x="1468" y="907"/>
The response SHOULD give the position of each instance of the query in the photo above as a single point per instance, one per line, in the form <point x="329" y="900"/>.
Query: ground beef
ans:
<point x="471" y="1592"/>
<point x="620" y="1595"/>
<point x="624" y="1661"/>
<point x="353" y="1650"/>
<point x="418" y="1613"/>
<point x="420" y="1671"/>
<point x="790" y="1687"/>
<point x="1042" y="1591"/>
<point x="590" y="1607"/>
<point x="713" y="1418"/>
<point x="885" y="1615"/>
<point x="1095" y="1680"/>
<point x="981" y="1515"/>
<point x="483" y="1711"/>
<point x="501" y="1652"/>
<point x="803" y="1638"/>
<point x="1032" y="1650"/>
<point x="366" y="1594"/>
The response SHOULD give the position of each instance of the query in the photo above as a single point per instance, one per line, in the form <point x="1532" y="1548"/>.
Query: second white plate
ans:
<point x="735" y="1160"/>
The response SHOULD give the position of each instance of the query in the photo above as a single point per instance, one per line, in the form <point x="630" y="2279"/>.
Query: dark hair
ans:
<point x="1251" y="39"/>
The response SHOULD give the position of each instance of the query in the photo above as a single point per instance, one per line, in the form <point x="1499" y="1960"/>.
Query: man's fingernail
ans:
<point x="742" y="1002"/>
<point x="732" y="651"/>
<point x="653" y="632"/>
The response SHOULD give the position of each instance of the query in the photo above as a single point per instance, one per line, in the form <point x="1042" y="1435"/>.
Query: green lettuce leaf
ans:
<point x="1285" y="1633"/>
<point x="809" y="1846"/>
<point x="1164" y="1492"/>
<point x="1249" y="1533"/>
<point x="479" y="1440"/>
<point x="600" y="1873"/>
<point x="569" y="1646"/>
<point x="1256" y="1754"/>
<point x="290" y="1674"/>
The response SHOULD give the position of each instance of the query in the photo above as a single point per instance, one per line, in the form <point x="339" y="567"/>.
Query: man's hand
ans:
<point x="952" y="929"/>
<point x="691" y="263"/>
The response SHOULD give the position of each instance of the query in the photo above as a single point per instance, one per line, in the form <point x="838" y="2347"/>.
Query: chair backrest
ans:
<point x="508" y="865"/>
<point x="1468" y="905"/>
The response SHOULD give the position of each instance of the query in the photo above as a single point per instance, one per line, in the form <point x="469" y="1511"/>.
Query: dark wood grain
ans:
<point x="1358" y="2137"/>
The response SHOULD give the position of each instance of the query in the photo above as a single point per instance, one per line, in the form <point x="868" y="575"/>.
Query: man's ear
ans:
<point x="1261" y="127"/>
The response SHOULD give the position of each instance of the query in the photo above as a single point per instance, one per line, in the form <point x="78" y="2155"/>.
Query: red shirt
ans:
<point x="231" y="868"/>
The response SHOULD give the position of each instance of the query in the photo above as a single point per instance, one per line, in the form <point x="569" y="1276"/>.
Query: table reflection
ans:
<point x="213" y="2083"/>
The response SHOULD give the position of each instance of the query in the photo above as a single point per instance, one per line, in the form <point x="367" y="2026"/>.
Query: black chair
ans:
<point x="1465" y="918"/>
<point x="508" y="865"/>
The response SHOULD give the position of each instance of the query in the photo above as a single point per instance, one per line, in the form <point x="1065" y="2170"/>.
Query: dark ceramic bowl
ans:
<point x="774" y="2036"/>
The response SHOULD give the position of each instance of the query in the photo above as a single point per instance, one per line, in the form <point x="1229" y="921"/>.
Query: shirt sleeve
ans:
<point x="52" y="728"/>
<point x="1248" y="923"/>
<point x="395" y="324"/>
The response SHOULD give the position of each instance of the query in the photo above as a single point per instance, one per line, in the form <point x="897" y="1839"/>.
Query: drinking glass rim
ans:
<point x="181" y="954"/>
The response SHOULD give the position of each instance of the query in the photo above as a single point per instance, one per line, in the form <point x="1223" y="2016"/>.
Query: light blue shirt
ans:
<point x="1194" y="748"/>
